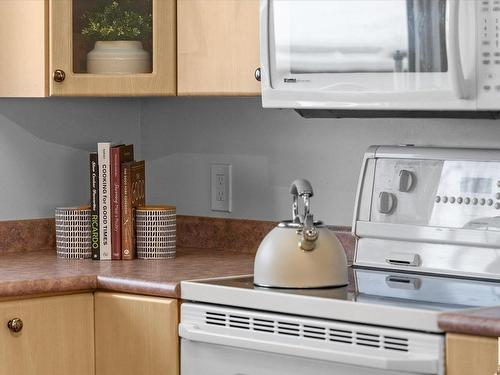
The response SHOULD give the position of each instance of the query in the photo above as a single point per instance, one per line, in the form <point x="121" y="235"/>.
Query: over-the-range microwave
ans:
<point x="328" y="58"/>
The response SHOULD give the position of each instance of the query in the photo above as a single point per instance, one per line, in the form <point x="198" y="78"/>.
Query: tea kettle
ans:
<point x="300" y="253"/>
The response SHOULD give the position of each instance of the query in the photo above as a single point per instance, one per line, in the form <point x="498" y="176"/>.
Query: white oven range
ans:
<point x="426" y="228"/>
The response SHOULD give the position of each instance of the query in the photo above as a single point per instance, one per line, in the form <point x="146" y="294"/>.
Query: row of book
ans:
<point x="117" y="186"/>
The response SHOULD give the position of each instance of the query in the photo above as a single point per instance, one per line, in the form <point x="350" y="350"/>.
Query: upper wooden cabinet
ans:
<point x="56" y="336"/>
<point x="218" y="47"/>
<point x="71" y="73"/>
<point x="471" y="355"/>
<point x="196" y="47"/>
<point x="23" y="60"/>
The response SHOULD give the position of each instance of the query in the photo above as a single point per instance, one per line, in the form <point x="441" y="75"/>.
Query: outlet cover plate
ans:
<point x="220" y="187"/>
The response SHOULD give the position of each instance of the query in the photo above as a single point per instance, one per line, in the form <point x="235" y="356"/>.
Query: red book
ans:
<point x="119" y="154"/>
<point x="133" y="195"/>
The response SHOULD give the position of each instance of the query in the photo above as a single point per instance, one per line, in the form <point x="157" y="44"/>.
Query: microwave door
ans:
<point x="373" y="53"/>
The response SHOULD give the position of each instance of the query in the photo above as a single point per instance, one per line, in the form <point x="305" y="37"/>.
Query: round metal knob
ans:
<point x="15" y="325"/>
<point x="309" y="237"/>
<point x="257" y="74"/>
<point x="59" y="75"/>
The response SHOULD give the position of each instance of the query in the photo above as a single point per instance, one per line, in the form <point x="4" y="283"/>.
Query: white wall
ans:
<point x="270" y="148"/>
<point x="44" y="146"/>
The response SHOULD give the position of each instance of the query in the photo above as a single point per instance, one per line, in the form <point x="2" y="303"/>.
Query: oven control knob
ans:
<point x="386" y="202"/>
<point x="406" y="181"/>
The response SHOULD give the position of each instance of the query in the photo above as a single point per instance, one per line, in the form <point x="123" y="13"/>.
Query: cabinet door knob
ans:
<point x="15" y="325"/>
<point x="59" y="75"/>
<point x="257" y="74"/>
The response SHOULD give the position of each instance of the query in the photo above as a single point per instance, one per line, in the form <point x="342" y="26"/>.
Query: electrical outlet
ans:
<point x="220" y="187"/>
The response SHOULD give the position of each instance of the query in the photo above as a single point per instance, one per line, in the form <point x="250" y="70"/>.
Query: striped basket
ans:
<point x="73" y="232"/>
<point x="155" y="232"/>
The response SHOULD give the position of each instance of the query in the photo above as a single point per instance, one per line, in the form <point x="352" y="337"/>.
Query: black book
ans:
<point x="94" y="205"/>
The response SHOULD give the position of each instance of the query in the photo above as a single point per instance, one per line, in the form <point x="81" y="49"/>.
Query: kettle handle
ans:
<point x="301" y="187"/>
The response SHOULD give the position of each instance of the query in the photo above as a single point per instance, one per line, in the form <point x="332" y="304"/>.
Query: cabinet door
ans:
<point x="132" y="55"/>
<point x="57" y="336"/>
<point x="468" y="355"/>
<point x="23" y="67"/>
<point x="218" y="47"/>
<point x="136" y="335"/>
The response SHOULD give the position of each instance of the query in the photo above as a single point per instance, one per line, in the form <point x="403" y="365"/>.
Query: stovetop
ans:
<point x="381" y="297"/>
<point x="387" y="288"/>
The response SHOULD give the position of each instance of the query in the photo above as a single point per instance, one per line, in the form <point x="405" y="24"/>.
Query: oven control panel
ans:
<point x="441" y="193"/>
<point x="429" y="209"/>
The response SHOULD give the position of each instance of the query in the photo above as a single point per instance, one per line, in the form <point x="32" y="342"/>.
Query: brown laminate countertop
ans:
<point x="479" y="322"/>
<point x="43" y="273"/>
<point x="38" y="273"/>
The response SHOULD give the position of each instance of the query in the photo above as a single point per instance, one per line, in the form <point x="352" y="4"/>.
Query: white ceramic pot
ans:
<point x="118" y="57"/>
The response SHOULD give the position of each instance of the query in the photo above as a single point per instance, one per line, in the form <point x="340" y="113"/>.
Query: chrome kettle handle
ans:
<point x="300" y="188"/>
<point x="308" y="232"/>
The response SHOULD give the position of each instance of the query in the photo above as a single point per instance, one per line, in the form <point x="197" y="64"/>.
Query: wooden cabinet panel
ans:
<point x="162" y="80"/>
<point x="136" y="335"/>
<point x="57" y="336"/>
<point x="218" y="47"/>
<point x="23" y="30"/>
<point x="467" y="355"/>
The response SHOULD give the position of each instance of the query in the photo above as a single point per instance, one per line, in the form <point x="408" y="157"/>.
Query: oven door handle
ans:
<point x="422" y="364"/>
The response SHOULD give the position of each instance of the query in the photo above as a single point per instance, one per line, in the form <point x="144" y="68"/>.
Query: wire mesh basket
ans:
<point x="155" y="232"/>
<point x="73" y="232"/>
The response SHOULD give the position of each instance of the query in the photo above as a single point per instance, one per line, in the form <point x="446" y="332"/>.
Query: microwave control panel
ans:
<point x="488" y="42"/>
<point x="454" y="194"/>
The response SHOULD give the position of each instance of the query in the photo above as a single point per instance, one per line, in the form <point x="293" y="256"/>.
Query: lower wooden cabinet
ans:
<point x="112" y="333"/>
<point x="471" y="355"/>
<point x="136" y="335"/>
<point x="56" y="338"/>
<point x="89" y="334"/>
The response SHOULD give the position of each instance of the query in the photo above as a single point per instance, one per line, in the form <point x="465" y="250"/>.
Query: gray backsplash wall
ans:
<point x="44" y="146"/>
<point x="181" y="137"/>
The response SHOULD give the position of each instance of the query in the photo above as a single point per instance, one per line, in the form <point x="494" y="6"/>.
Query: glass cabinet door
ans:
<point x="112" y="47"/>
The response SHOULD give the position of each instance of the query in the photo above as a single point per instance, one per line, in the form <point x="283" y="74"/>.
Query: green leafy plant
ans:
<point x="116" y="20"/>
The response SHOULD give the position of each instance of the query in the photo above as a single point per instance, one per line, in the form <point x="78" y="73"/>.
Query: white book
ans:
<point x="104" y="161"/>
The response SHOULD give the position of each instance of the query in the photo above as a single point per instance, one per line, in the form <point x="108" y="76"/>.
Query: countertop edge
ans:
<point x="467" y="324"/>
<point x="40" y="287"/>
<point x="128" y="285"/>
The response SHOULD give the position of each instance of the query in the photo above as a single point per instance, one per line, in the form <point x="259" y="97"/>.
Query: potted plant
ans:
<point x="119" y="29"/>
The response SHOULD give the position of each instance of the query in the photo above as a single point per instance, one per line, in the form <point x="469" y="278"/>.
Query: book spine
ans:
<point x="127" y="214"/>
<point x="94" y="205"/>
<point x="103" y="150"/>
<point x="116" y="232"/>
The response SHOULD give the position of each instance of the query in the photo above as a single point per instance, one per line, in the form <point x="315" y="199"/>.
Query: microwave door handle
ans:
<point x="457" y="77"/>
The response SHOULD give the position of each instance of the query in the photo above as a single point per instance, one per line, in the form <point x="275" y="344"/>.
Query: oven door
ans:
<point x="208" y="359"/>
<point x="369" y="54"/>
<point x="219" y="340"/>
